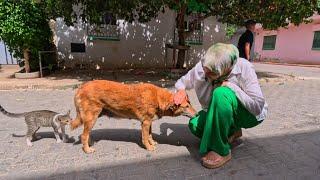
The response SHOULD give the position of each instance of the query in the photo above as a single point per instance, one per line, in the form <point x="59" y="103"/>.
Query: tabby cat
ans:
<point x="42" y="118"/>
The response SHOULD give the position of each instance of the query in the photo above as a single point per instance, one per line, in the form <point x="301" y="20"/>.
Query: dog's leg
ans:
<point x="145" y="135"/>
<point x="151" y="141"/>
<point x="89" y="121"/>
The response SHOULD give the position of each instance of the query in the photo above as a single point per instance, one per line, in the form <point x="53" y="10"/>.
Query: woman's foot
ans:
<point x="213" y="160"/>
<point x="234" y="136"/>
<point x="234" y="140"/>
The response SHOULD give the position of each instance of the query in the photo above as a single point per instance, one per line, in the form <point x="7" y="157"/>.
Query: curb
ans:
<point x="288" y="64"/>
<point x="36" y="87"/>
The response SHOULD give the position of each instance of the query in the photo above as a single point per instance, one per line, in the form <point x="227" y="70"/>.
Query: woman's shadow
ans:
<point x="173" y="134"/>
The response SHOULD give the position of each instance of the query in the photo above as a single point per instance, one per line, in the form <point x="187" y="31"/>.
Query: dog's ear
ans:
<point x="165" y="102"/>
<point x="68" y="113"/>
<point x="173" y="107"/>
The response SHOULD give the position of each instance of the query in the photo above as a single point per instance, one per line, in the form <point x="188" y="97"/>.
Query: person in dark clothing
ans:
<point x="246" y="40"/>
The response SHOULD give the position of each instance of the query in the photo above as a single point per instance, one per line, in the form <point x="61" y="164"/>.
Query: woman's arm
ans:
<point x="250" y="93"/>
<point x="184" y="83"/>
<point x="187" y="81"/>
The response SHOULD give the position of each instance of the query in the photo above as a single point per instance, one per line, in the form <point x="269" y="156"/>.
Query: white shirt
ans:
<point x="242" y="80"/>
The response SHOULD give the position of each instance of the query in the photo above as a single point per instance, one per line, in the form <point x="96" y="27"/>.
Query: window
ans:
<point x="107" y="30"/>
<point x="269" y="42"/>
<point x="316" y="40"/>
<point x="196" y="38"/>
<point x="78" y="47"/>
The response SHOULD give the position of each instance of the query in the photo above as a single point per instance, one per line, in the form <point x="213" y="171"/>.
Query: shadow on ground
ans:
<point x="267" y="75"/>
<point x="172" y="134"/>
<point x="160" y="77"/>
<point x="294" y="156"/>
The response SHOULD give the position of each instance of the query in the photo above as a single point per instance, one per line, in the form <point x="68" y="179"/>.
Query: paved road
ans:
<point x="302" y="72"/>
<point x="285" y="146"/>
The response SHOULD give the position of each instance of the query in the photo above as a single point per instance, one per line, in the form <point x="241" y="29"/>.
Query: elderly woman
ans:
<point x="228" y="90"/>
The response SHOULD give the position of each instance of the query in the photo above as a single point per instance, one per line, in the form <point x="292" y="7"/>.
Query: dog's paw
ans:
<point x="153" y="142"/>
<point x="89" y="150"/>
<point x="59" y="141"/>
<point x="151" y="148"/>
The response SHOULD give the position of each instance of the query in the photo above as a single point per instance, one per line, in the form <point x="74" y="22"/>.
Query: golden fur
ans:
<point x="144" y="102"/>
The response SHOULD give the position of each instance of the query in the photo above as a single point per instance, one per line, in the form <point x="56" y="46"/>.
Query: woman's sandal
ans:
<point x="212" y="164"/>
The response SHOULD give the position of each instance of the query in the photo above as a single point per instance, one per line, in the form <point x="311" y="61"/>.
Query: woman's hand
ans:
<point x="179" y="96"/>
<point x="224" y="83"/>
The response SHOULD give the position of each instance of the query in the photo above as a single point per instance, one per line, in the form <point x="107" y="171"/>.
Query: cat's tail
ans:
<point x="9" y="114"/>
<point x="76" y="123"/>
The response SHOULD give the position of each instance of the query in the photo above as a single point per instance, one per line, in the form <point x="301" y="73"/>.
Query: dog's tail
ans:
<point x="76" y="123"/>
<point x="9" y="114"/>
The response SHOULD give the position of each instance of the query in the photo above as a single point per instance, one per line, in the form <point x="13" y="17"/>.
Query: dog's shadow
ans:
<point x="172" y="134"/>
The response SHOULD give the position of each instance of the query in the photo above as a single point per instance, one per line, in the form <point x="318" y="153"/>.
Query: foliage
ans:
<point x="272" y="14"/>
<point x="24" y="26"/>
<point x="230" y="30"/>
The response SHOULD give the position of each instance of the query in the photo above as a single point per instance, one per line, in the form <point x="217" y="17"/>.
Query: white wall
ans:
<point x="140" y="45"/>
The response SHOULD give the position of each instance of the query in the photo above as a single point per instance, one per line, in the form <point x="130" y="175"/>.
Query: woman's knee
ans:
<point x="192" y="125"/>
<point x="220" y="92"/>
<point x="222" y="100"/>
<point x="222" y="96"/>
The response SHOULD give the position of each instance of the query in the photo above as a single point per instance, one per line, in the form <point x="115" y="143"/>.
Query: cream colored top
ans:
<point x="242" y="80"/>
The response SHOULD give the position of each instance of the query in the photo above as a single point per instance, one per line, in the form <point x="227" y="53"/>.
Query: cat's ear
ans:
<point x="68" y="113"/>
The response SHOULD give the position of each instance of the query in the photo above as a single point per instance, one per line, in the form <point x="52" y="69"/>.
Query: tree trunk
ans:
<point x="181" y="36"/>
<point x="26" y="56"/>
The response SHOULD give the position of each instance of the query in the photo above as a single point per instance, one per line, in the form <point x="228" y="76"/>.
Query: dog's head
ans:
<point x="169" y="108"/>
<point x="184" y="109"/>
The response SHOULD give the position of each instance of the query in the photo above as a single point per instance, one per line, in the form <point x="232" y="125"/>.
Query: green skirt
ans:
<point x="225" y="116"/>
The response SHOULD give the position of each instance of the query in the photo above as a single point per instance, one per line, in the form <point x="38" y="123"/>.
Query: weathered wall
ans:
<point x="140" y="45"/>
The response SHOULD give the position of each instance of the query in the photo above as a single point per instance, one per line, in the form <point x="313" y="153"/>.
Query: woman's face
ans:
<point x="209" y="74"/>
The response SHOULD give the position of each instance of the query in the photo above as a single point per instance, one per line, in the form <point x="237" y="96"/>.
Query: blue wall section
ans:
<point x="5" y="56"/>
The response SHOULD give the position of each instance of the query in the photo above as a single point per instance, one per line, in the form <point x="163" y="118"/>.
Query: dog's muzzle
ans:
<point x="189" y="115"/>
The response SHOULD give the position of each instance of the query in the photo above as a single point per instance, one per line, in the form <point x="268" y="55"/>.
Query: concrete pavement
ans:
<point x="285" y="146"/>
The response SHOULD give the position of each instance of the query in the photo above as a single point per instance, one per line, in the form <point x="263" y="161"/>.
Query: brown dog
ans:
<point x="144" y="102"/>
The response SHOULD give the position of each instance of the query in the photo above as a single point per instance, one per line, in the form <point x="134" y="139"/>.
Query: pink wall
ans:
<point x="293" y="45"/>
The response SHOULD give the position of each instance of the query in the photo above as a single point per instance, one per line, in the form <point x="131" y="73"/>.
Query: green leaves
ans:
<point x="272" y="14"/>
<point x="24" y="25"/>
<point x="230" y="30"/>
